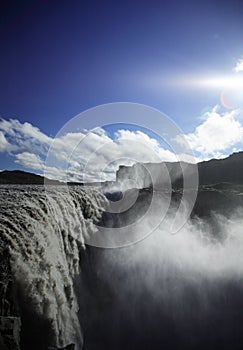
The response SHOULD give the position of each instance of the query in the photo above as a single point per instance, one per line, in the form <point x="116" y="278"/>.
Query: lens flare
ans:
<point x="232" y="98"/>
<point x="231" y="87"/>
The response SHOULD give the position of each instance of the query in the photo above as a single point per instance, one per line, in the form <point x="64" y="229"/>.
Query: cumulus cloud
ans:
<point x="140" y="139"/>
<point x="239" y="66"/>
<point x="24" y="137"/>
<point x="5" y="146"/>
<point x="95" y="155"/>
<point x="78" y="156"/>
<point x="30" y="160"/>
<point x="217" y="134"/>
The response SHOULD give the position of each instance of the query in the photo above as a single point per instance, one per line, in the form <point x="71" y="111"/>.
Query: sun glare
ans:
<point x="223" y="82"/>
<point x="230" y="88"/>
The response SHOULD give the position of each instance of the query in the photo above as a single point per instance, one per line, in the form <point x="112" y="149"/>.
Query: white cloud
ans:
<point x="95" y="156"/>
<point x="239" y="66"/>
<point x="92" y="154"/>
<point x="24" y="136"/>
<point x="5" y="146"/>
<point x="30" y="161"/>
<point x="13" y="128"/>
<point x="217" y="134"/>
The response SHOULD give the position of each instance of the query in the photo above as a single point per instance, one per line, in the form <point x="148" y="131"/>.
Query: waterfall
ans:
<point x="44" y="230"/>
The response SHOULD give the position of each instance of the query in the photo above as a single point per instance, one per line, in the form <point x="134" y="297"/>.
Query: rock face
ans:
<point x="213" y="171"/>
<point x="10" y="332"/>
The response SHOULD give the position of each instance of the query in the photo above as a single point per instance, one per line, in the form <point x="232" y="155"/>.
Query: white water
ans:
<point x="45" y="234"/>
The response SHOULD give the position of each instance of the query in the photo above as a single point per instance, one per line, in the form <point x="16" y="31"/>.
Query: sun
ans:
<point x="230" y="87"/>
<point x="232" y="82"/>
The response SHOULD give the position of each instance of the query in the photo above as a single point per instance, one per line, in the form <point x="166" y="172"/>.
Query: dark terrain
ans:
<point x="19" y="177"/>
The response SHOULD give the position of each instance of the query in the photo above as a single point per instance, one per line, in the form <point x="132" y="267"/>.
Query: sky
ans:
<point x="60" y="58"/>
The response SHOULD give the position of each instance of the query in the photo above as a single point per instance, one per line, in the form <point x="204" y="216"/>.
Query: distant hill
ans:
<point x="229" y="169"/>
<point x="24" y="178"/>
<point x="210" y="172"/>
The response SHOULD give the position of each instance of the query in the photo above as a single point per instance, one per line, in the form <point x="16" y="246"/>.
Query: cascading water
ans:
<point x="44" y="232"/>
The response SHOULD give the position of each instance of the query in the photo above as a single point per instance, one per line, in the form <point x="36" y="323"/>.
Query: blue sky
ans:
<point x="59" y="58"/>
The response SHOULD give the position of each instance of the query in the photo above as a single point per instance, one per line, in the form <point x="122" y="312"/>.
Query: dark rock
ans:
<point x="10" y="332"/>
